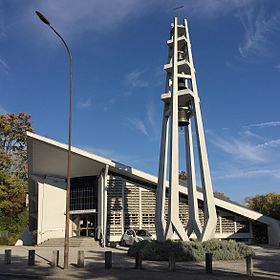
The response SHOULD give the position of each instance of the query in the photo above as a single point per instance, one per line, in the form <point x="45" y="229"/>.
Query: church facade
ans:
<point x="108" y="197"/>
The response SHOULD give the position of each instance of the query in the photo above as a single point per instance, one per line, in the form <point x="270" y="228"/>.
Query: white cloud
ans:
<point x="250" y="155"/>
<point x="250" y="134"/>
<point x="85" y="104"/>
<point x="213" y="8"/>
<point x="264" y="124"/>
<point x="258" y="28"/>
<point x="270" y="144"/>
<point x="239" y="149"/>
<point x="135" y="79"/>
<point x="237" y="172"/>
<point x="4" y="66"/>
<point x="138" y="125"/>
<point x="159" y="76"/>
<point x="75" y="17"/>
<point x="3" y="33"/>
<point x="151" y="115"/>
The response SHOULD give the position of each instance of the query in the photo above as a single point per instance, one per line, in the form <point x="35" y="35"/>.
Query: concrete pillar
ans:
<point x="108" y="259"/>
<point x="31" y="257"/>
<point x="208" y="263"/>
<point x="100" y="207"/>
<point x="81" y="259"/>
<point x="161" y="187"/>
<point x="124" y="182"/>
<point x="8" y="256"/>
<point x="249" y="265"/>
<point x="174" y="224"/>
<point x="55" y="258"/>
<point x="172" y="262"/>
<point x="140" y="208"/>
<point x="220" y="219"/>
<point x="209" y="227"/>
<point x="194" y="224"/>
<point x="138" y="260"/>
<point x="105" y="187"/>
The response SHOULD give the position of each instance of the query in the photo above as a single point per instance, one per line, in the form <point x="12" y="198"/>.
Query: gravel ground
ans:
<point x="266" y="266"/>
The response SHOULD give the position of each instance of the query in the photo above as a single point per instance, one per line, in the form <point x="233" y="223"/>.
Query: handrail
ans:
<point x="50" y="230"/>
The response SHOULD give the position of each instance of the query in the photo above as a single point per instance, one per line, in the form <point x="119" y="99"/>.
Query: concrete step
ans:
<point x="73" y="242"/>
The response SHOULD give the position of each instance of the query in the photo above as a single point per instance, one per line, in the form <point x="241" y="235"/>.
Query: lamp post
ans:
<point x="66" y="240"/>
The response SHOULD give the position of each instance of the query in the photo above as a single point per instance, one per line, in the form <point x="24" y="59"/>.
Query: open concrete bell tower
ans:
<point x="181" y="108"/>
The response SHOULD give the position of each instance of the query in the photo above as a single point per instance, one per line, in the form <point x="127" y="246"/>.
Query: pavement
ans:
<point x="266" y="266"/>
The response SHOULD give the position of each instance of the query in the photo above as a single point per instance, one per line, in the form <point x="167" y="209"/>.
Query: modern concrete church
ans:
<point x="108" y="197"/>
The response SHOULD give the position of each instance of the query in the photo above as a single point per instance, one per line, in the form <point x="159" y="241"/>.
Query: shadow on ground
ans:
<point x="266" y="265"/>
<point x="267" y="261"/>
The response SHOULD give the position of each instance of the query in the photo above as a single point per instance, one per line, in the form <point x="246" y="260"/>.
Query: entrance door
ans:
<point x="86" y="225"/>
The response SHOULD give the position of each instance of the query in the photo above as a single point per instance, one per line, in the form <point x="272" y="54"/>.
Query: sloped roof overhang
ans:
<point x="47" y="157"/>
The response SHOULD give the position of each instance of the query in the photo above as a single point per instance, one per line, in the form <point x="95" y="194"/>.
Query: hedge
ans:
<point x="191" y="250"/>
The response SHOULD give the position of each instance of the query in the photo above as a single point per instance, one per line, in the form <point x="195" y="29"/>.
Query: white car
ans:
<point x="132" y="236"/>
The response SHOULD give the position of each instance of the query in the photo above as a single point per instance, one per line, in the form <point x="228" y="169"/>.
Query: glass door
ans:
<point x="87" y="225"/>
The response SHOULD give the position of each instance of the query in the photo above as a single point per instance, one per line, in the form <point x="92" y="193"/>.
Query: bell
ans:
<point x="181" y="84"/>
<point x="180" y="55"/>
<point x="183" y="116"/>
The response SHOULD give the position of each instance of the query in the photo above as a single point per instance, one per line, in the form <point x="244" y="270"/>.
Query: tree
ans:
<point x="267" y="204"/>
<point x="221" y="196"/>
<point x="183" y="176"/>
<point x="13" y="164"/>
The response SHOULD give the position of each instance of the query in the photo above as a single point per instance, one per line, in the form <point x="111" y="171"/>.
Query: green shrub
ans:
<point x="136" y="247"/>
<point x="195" y="250"/>
<point x="245" y="250"/>
<point x="222" y="249"/>
<point x="160" y="251"/>
<point x="15" y="226"/>
<point x="10" y="240"/>
<point x="227" y="249"/>
<point x="191" y="250"/>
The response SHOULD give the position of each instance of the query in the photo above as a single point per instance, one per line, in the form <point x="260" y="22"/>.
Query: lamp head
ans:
<point x="42" y="18"/>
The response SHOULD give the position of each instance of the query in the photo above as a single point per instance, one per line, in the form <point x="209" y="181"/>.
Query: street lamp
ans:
<point x="66" y="240"/>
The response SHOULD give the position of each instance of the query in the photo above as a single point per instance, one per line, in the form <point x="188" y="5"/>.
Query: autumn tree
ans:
<point x="267" y="204"/>
<point x="13" y="167"/>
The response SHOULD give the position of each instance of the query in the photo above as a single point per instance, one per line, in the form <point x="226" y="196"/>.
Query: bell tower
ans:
<point x="182" y="110"/>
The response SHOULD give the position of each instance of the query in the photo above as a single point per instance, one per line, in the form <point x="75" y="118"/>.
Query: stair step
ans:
<point x="73" y="242"/>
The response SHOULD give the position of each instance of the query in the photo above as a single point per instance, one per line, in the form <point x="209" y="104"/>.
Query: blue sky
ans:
<point x="119" y="51"/>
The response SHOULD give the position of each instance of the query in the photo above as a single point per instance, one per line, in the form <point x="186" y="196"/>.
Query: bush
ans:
<point x="14" y="225"/>
<point x="137" y="247"/>
<point x="195" y="250"/>
<point x="9" y="240"/>
<point x="191" y="250"/>
<point x="159" y="251"/>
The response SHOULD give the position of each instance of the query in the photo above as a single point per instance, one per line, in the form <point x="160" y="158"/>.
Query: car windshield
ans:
<point x="142" y="233"/>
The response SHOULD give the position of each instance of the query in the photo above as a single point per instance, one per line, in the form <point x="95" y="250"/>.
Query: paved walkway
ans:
<point x="266" y="266"/>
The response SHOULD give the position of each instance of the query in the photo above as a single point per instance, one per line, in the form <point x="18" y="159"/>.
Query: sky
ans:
<point x="119" y="49"/>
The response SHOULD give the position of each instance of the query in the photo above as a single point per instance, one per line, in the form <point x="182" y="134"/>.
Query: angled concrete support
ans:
<point x="161" y="189"/>
<point x="194" y="224"/>
<point x="210" y="215"/>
